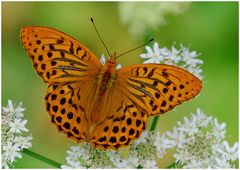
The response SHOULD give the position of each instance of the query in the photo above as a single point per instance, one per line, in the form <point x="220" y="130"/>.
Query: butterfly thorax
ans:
<point x="107" y="76"/>
<point x="105" y="81"/>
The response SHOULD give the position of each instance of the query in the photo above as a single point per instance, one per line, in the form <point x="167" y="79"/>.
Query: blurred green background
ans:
<point x="211" y="28"/>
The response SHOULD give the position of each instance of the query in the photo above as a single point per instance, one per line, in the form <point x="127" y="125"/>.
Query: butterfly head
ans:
<point x="111" y="61"/>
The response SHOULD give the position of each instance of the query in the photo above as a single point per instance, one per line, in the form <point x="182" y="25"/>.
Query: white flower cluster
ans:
<point x="13" y="127"/>
<point x="200" y="142"/>
<point x="85" y="156"/>
<point x="142" y="17"/>
<point x="182" y="57"/>
<point x="143" y="152"/>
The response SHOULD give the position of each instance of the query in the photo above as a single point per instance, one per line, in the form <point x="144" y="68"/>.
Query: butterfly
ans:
<point x="97" y="103"/>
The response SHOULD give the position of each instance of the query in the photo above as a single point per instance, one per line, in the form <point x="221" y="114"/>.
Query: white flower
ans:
<point x="200" y="119"/>
<point x="176" y="137"/>
<point x="162" y="143"/>
<point x="219" y="130"/>
<point x="13" y="141"/>
<point x="182" y="58"/>
<point x="221" y="163"/>
<point x="156" y="55"/>
<point x="233" y="152"/>
<point x="18" y="125"/>
<point x="189" y="57"/>
<point x="10" y="109"/>
<point x="23" y="142"/>
<point x="143" y="17"/>
<point x="19" y="110"/>
<point x="188" y="127"/>
<point x="230" y="153"/>
<point x="11" y="151"/>
<point x="173" y="56"/>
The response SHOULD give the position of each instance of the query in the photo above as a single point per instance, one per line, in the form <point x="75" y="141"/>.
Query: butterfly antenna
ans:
<point x="136" y="48"/>
<point x="100" y="36"/>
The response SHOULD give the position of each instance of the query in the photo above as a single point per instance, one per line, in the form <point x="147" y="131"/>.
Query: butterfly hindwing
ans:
<point x="66" y="105"/>
<point x="125" y="124"/>
<point x="58" y="57"/>
<point x="157" y="88"/>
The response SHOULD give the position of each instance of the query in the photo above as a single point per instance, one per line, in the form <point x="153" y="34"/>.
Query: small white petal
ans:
<point x="102" y="59"/>
<point x="66" y="167"/>
<point x="155" y="47"/>
<point x="10" y="104"/>
<point x="118" y="66"/>
<point x="149" y="50"/>
<point x="235" y="147"/>
<point x="144" y="55"/>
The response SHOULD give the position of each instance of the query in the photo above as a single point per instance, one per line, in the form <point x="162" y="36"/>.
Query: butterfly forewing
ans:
<point x="157" y="88"/>
<point x="57" y="57"/>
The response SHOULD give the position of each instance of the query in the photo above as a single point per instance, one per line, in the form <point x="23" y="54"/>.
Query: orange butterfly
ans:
<point x="98" y="103"/>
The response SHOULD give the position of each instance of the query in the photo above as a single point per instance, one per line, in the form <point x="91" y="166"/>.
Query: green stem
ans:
<point x="42" y="158"/>
<point x="154" y="123"/>
<point x="173" y="165"/>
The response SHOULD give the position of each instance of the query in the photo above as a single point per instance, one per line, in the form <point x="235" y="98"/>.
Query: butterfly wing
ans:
<point x="140" y="91"/>
<point x="125" y="124"/>
<point x="58" y="57"/>
<point x="66" y="103"/>
<point x="157" y="88"/>
<point x="71" y="71"/>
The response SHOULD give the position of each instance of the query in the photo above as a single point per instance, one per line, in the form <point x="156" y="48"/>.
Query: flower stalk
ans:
<point x="173" y="165"/>
<point x="154" y="123"/>
<point x="42" y="158"/>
